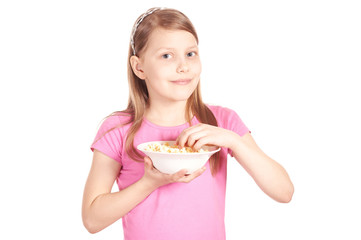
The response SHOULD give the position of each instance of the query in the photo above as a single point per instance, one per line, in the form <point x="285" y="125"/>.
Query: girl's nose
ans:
<point x="182" y="66"/>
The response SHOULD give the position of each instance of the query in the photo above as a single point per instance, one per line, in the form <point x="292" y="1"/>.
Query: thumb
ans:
<point x="148" y="163"/>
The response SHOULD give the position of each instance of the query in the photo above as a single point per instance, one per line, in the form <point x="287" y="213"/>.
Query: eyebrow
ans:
<point x="165" y="48"/>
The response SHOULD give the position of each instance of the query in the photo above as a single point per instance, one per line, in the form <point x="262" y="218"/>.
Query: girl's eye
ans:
<point x="191" y="54"/>
<point x="166" y="56"/>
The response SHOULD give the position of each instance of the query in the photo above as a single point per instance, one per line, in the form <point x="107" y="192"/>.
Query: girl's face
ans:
<point x="170" y="65"/>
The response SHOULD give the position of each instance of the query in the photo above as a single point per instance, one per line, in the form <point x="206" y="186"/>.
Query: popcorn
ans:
<point x="166" y="148"/>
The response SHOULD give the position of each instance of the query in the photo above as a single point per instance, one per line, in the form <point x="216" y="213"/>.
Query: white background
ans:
<point x="289" y="68"/>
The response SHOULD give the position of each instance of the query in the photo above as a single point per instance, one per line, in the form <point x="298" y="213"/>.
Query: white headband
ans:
<point x="147" y="13"/>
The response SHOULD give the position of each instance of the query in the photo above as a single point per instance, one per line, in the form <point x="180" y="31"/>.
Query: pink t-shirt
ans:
<point x="175" y="211"/>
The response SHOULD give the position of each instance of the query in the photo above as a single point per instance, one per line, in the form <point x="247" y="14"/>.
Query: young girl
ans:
<point x="165" y="104"/>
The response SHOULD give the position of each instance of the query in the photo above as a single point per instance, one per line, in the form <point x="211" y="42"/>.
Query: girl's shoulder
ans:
<point x="221" y="112"/>
<point x="116" y="120"/>
<point x="229" y="119"/>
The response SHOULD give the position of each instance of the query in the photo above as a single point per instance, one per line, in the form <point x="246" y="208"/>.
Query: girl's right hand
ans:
<point x="154" y="178"/>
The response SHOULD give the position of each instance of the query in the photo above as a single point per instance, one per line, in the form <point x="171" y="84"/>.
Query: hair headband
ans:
<point x="147" y="13"/>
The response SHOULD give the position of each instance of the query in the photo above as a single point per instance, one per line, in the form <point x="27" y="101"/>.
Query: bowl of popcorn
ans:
<point x="169" y="158"/>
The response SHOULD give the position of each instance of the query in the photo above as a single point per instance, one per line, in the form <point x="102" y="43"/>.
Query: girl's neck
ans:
<point x="167" y="114"/>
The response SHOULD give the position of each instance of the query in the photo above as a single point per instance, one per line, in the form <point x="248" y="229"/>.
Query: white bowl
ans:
<point x="173" y="162"/>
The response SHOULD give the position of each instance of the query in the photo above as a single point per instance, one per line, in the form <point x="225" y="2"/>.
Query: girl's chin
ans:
<point x="181" y="96"/>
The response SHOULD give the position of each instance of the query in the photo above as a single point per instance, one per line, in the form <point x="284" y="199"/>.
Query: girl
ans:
<point x="165" y="104"/>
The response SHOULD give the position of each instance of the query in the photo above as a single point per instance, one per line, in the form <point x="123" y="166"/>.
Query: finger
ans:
<point x="178" y="175"/>
<point x="193" y="138"/>
<point x="185" y="132"/>
<point x="148" y="164"/>
<point x="207" y="140"/>
<point x="183" y="137"/>
<point x="193" y="175"/>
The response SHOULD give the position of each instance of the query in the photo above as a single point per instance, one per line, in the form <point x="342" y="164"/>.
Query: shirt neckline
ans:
<point x="146" y="121"/>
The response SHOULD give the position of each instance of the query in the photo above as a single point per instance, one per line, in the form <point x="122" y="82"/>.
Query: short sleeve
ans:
<point x="109" y="139"/>
<point x="236" y="125"/>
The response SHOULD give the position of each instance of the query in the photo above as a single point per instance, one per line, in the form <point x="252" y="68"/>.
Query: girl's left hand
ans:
<point x="204" y="134"/>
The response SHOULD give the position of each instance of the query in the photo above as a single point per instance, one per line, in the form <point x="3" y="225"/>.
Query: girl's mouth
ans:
<point x="182" y="81"/>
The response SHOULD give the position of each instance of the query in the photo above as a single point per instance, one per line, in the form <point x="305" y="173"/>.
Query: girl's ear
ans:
<point x="137" y="67"/>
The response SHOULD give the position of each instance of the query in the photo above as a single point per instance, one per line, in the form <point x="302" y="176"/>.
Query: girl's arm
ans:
<point x="101" y="208"/>
<point x="270" y="176"/>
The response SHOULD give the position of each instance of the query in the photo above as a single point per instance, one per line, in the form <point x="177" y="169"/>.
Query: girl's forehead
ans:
<point x="164" y="38"/>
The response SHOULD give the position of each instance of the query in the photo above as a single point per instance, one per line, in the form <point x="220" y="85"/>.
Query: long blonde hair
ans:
<point x="169" y="19"/>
